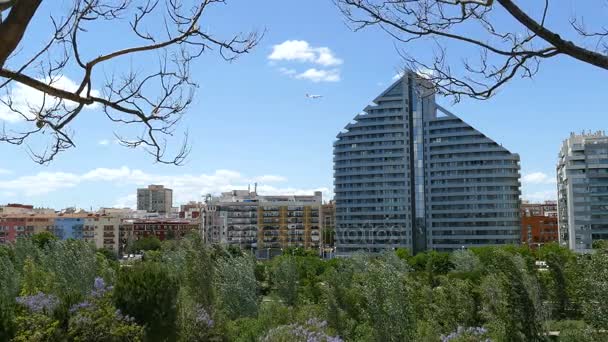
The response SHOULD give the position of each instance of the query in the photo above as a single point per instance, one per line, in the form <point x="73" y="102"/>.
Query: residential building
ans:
<point x="15" y="208"/>
<point x="547" y="208"/>
<point x="582" y="199"/>
<point x="192" y="210"/>
<point x="12" y="228"/>
<point x="102" y="230"/>
<point x="155" y="199"/>
<point x="69" y="227"/>
<point x="328" y="215"/>
<point x="163" y="229"/>
<point x="264" y="223"/>
<point x="408" y="173"/>
<point x="538" y="230"/>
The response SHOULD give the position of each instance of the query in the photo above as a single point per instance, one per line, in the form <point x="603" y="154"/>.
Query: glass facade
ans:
<point x="410" y="174"/>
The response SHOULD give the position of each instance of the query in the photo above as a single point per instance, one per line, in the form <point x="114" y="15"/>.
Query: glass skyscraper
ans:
<point x="408" y="173"/>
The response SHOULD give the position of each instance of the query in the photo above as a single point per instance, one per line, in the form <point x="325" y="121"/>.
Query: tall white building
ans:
<point x="582" y="181"/>
<point x="408" y="173"/>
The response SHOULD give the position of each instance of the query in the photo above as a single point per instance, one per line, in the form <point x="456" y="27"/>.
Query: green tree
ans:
<point x="236" y="286"/>
<point x="511" y="298"/>
<point x="148" y="243"/>
<point x="148" y="292"/>
<point x="594" y="288"/>
<point x="37" y="327"/>
<point x="96" y="319"/>
<point x="108" y="254"/>
<point x="42" y="239"/>
<point x="285" y="279"/>
<point x="387" y="298"/>
<point x="558" y="280"/>
<point x="9" y="289"/>
<point x="199" y="271"/>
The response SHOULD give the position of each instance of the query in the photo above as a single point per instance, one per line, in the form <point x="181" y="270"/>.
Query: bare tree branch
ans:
<point x="503" y="55"/>
<point x="151" y="98"/>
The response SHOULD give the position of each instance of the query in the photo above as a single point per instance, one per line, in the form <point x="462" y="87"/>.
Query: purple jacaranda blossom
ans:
<point x="99" y="287"/>
<point x="460" y="331"/>
<point x="81" y="305"/>
<point x="39" y="302"/>
<point x="203" y="317"/>
<point x="311" y="332"/>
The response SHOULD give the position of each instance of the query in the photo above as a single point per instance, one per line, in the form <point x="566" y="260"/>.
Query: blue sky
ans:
<point x="252" y="123"/>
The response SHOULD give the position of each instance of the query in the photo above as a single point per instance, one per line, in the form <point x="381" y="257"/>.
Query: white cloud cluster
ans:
<point x="186" y="187"/>
<point x="316" y="75"/>
<point x="27" y="99"/>
<point x="301" y="51"/>
<point x="540" y="196"/>
<point x="538" y="178"/>
<point x="422" y="72"/>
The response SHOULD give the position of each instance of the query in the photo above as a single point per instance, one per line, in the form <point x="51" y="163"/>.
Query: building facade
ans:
<point x="538" y="230"/>
<point x="328" y="215"/>
<point x="102" y="230"/>
<point x="582" y="181"/>
<point x="155" y="199"/>
<point x="408" y="173"/>
<point x="264" y="224"/>
<point x="547" y="208"/>
<point x="163" y="229"/>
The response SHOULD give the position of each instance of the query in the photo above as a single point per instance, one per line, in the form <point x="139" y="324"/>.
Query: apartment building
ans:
<point x="264" y="223"/>
<point x="102" y="230"/>
<point x="582" y="181"/>
<point x="328" y="215"/>
<point x="155" y="199"/>
<point x="547" y="208"/>
<point x="163" y="229"/>
<point x="408" y="173"/>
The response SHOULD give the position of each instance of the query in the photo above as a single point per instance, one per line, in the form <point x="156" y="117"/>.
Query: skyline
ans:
<point x="251" y="119"/>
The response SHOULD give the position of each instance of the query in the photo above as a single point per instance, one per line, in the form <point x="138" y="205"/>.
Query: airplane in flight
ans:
<point x="313" y="96"/>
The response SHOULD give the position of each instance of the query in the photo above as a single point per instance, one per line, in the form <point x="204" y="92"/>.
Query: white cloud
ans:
<point x="317" y="75"/>
<point x="270" y="179"/>
<point x="5" y="172"/>
<point x="422" y="72"/>
<point x="41" y="183"/>
<point x="287" y="71"/>
<point x="186" y="187"/>
<point x="104" y="142"/>
<point x="128" y="201"/>
<point x="302" y="51"/>
<point x="540" y="196"/>
<point x="27" y="99"/>
<point x="538" y="178"/>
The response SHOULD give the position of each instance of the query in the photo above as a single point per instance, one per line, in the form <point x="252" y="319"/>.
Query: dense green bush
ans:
<point x="148" y="293"/>
<point x="184" y="290"/>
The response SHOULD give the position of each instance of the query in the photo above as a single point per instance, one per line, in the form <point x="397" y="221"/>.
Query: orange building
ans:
<point x="538" y="230"/>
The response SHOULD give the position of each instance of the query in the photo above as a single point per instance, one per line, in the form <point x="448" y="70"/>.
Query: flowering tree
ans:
<point x="311" y="330"/>
<point x="96" y="319"/>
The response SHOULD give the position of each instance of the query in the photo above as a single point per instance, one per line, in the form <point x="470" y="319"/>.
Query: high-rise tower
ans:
<point x="582" y="181"/>
<point x="408" y="173"/>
